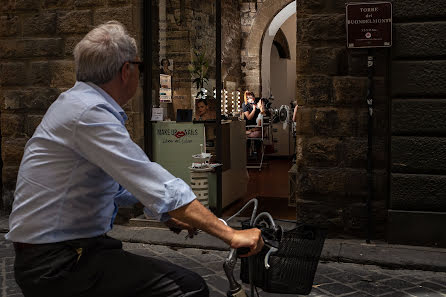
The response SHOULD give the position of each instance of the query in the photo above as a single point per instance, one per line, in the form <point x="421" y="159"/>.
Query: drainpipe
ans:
<point x="370" y="95"/>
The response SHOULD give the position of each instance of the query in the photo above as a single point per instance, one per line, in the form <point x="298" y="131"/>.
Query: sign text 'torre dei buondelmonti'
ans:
<point x="369" y="24"/>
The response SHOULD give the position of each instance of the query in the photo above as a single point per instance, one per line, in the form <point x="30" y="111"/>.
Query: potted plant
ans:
<point x="199" y="71"/>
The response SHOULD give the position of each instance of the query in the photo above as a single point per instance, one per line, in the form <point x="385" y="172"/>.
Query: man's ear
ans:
<point x="125" y="72"/>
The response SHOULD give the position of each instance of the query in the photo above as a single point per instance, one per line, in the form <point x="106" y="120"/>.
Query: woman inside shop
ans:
<point x="202" y="111"/>
<point x="250" y="110"/>
<point x="257" y="131"/>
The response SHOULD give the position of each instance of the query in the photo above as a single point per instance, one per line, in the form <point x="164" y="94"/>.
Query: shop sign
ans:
<point x="369" y="24"/>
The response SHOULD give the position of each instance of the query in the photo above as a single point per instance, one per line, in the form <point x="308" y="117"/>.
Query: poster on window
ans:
<point x="165" y="88"/>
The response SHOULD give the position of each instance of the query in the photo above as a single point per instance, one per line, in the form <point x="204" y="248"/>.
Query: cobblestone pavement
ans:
<point x="332" y="279"/>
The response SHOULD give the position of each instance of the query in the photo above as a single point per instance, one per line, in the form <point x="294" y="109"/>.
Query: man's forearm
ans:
<point x="196" y="215"/>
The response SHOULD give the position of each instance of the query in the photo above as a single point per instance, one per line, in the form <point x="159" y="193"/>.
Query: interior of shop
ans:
<point x="199" y="128"/>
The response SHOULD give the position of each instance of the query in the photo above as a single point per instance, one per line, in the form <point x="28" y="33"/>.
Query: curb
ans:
<point x="337" y="250"/>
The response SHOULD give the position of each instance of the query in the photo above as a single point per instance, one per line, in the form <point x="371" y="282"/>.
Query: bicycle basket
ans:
<point x="293" y="267"/>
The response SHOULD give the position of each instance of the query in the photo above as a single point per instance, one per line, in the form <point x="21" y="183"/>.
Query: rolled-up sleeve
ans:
<point x="103" y="140"/>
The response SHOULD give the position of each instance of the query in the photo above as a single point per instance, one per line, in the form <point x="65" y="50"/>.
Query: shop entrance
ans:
<point x="274" y="183"/>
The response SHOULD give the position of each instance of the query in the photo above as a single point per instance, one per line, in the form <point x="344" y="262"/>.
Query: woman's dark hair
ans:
<point x="202" y="100"/>
<point x="165" y="59"/>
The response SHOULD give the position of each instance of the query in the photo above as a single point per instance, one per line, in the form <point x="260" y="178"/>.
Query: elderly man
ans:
<point x="78" y="168"/>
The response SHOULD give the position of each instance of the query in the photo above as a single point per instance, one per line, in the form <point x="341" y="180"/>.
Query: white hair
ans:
<point x="100" y="55"/>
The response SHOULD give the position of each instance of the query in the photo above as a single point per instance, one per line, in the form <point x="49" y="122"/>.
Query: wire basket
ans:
<point x="293" y="266"/>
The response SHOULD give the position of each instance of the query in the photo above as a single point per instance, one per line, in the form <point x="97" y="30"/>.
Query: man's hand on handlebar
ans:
<point x="251" y="238"/>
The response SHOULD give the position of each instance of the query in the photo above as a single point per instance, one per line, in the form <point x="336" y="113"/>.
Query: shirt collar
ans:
<point x="109" y="99"/>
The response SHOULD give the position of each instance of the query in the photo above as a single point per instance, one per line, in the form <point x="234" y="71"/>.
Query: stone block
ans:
<point x="29" y="98"/>
<point x="423" y="78"/>
<point x="415" y="192"/>
<point x="336" y="122"/>
<point x="9" y="26"/>
<point x="352" y="152"/>
<point x="9" y="49"/>
<point x="303" y="120"/>
<point x="357" y="62"/>
<point x="419" y="116"/>
<point x="12" y="74"/>
<point x="9" y="179"/>
<point x="62" y="74"/>
<point x="119" y="2"/>
<point x="9" y="101"/>
<point x="419" y="40"/>
<point x="12" y="125"/>
<point x="40" y="47"/>
<point x="314" y="90"/>
<point x="403" y="9"/>
<point x="32" y="121"/>
<point x="321" y="60"/>
<point x="320" y="151"/>
<point x="416" y="228"/>
<point x="321" y="27"/>
<point x="70" y="44"/>
<point x="25" y="4"/>
<point x="341" y="215"/>
<point x="57" y="4"/>
<point x="349" y="90"/>
<point x="40" y="74"/>
<point x="43" y="23"/>
<point x="305" y="6"/>
<point x="333" y="181"/>
<point x="77" y="21"/>
<point x="120" y="14"/>
<point x="12" y="150"/>
<point x="418" y="154"/>
<point x="88" y="3"/>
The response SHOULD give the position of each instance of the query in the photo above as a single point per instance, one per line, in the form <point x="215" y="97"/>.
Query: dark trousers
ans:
<point x="99" y="267"/>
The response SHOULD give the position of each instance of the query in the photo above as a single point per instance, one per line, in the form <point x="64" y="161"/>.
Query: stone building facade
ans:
<point x="37" y="38"/>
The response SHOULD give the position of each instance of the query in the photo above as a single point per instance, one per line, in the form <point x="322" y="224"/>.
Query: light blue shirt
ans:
<point x="80" y="166"/>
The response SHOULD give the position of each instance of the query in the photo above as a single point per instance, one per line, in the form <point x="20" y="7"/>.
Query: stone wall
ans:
<point x="417" y="212"/>
<point x="332" y="124"/>
<point x="36" y="64"/>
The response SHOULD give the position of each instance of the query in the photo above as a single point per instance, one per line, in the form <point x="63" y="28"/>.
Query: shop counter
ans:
<point x="174" y="144"/>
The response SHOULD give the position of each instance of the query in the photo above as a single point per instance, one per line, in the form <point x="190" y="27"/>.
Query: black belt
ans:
<point x="21" y="246"/>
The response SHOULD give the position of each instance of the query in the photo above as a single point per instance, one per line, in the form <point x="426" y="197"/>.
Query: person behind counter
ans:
<point x="202" y="111"/>
<point x="250" y="111"/>
<point x="79" y="167"/>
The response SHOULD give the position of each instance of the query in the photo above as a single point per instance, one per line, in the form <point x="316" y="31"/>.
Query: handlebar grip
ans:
<point x="243" y="251"/>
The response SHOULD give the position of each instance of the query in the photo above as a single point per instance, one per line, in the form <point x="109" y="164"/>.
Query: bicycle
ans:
<point x="287" y="264"/>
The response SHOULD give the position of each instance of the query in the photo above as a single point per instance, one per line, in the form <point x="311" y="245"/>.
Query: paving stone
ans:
<point x="217" y="267"/>
<point x="142" y="252"/>
<point x="372" y="288"/>
<point x="396" y="294"/>
<point x="325" y="269"/>
<point x="375" y="276"/>
<point x="433" y="286"/>
<point x="411" y="279"/>
<point x="202" y="271"/>
<point x="214" y="293"/>
<point x="423" y="292"/>
<point x="336" y="289"/>
<point x="320" y="279"/>
<point x="437" y="280"/>
<point x="397" y="283"/>
<point x="357" y="294"/>
<point x="346" y="277"/>
<point x="218" y="282"/>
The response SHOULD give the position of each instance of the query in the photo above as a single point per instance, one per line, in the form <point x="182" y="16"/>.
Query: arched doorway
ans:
<point x="268" y="38"/>
<point x="257" y="38"/>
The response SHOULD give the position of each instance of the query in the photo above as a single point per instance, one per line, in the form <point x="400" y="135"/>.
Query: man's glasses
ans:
<point x="140" y="65"/>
